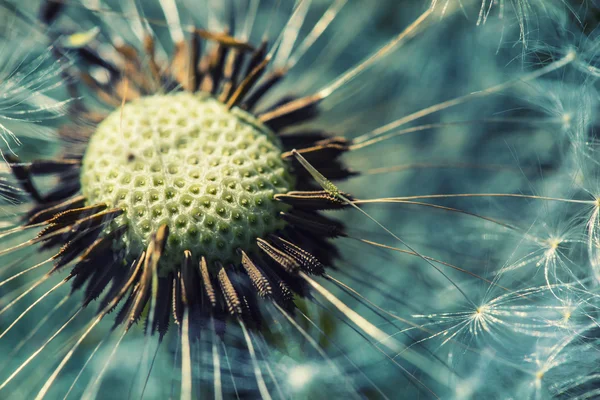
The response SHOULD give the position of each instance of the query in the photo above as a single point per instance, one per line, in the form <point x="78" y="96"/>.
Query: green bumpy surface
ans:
<point x="187" y="161"/>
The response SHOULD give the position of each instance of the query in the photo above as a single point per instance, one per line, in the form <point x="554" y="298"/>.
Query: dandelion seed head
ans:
<point x="187" y="161"/>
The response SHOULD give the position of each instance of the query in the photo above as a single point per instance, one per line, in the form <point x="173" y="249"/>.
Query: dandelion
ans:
<point x="197" y="189"/>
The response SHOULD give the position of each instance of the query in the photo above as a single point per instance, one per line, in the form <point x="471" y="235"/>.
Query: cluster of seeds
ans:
<point x="187" y="161"/>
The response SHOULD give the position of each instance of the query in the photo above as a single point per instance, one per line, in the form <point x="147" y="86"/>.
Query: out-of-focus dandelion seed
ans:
<point x="25" y="93"/>
<point x="500" y="318"/>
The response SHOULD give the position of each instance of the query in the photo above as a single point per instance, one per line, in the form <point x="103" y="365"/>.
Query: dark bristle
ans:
<point x="43" y="213"/>
<point x="177" y="300"/>
<point x="101" y="218"/>
<point x="193" y="76"/>
<point x="91" y="57"/>
<point x="322" y="152"/>
<point x="231" y="69"/>
<point x="216" y="63"/>
<point x="123" y="313"/>
<point x="251" y="309"/>
<point x="247" y="84"/>
<point x="76" y="246"/>
<point x="62" y="191"/>
<point x="136" y="269"/>
<point x="307" y="261"/>
<point x="302" y="139"/>
<point x="68" y="216"/>
<point x="314" y="223"/>
<point x="319" y="246"/>
<point x="260" y="282"/>
<point x="288" y="263"/>
<point x="119" y="278"/>
<point x="236" y="73"/>
<point x="22" y="173"/>
<point x="141" y="296"/>
<point x="190" y="280"/>
<point x="206" y="282"/>
<point x="103" y="92"/>
<point x="234" y="305"/>
<point x="315" y="200"/>
<point x="83" y="271"/>
<point x="283" y="293"/>
<point x="87" y="249"/>
<point x="256" y="58"/>
<point x="292" y="112"/>
<point x="163" y="305"/>
<point x="224" y="39"/>
<point x="150" y="50"/>
<point x="154" y="252"/>
<point x="79" y="219"/>
<point x="99" y="281"/>
<point x="280" y="291"/>
<point x="269" y="82"/>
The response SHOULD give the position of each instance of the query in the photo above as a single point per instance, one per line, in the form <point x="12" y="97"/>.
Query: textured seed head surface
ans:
<point x="187" y="161"/>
